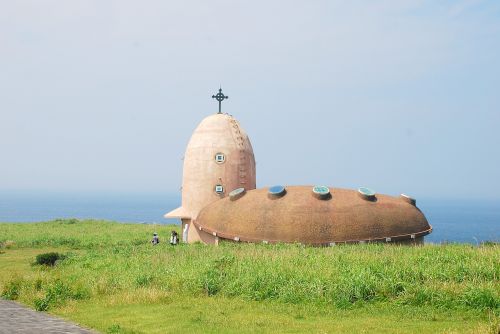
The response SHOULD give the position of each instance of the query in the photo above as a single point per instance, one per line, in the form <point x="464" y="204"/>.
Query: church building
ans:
<point x="220" y="200"/>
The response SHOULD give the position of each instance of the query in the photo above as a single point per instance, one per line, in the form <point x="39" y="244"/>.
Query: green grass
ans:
<point x="229" y="315"/>
<point x="113" y="280"/>
<point x="89" y="234"/>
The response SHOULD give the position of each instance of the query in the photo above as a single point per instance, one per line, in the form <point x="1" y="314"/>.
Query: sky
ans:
<point x="398" y="96"/>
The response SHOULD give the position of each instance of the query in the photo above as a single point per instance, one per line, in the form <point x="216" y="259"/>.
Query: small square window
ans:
<point x="220" y="158"/>
<point x="219" y="189"/>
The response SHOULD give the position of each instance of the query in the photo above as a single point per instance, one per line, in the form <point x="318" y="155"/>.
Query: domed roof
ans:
<point x="221" y="130"/>
<point x="312" y="215"/>
<point x="219" y="158"/>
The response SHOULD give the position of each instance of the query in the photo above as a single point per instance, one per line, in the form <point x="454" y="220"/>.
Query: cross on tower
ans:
<point x="220" y="97"/>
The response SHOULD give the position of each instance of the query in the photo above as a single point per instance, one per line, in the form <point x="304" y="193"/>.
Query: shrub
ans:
<point x="38" y="284"/>
<point x="41" y="304"/>
<point x="12" y="289"/>
<point x="489" y="243"/>
<point x="67" y="221"/>
<point x="57" y="293"/>
<point x="48" y="259"/>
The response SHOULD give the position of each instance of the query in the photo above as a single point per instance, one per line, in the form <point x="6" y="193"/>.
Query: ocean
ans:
<point x="469" y="221"/>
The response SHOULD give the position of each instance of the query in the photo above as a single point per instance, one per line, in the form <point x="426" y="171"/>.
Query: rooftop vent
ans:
<point x="321" y="192"/>
<point x="408" y="199"/>
<point x="237" y="193"/>
<point x="367" y="193"/>
<point x="276" y="192"/>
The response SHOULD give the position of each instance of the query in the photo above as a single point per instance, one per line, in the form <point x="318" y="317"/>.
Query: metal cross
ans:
<point x="220" y="97"/>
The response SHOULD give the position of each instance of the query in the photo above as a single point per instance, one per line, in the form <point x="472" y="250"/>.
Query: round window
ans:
<point x="321" y="192"/>
<point x="220" y="158"/>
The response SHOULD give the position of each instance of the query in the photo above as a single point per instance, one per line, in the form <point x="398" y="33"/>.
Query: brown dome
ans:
<point x="301" y="215"/>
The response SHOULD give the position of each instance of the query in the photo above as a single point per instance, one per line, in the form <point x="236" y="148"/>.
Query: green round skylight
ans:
<point x="321" y="190"/>
<point x="366" y="191"/>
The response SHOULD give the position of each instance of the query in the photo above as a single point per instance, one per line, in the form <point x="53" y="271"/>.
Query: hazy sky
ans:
<point x="400" y="96"/>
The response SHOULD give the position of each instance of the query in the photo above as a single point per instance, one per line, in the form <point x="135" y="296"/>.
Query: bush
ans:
<point x="11" y="290"/>
<point x="41" y="304"/>
<point x="38" y="284"/>
<point x="57" y="293"/>
<point x="48" y="259"/>
<point x="489" y="243"/>
<point x="67" y="221"/>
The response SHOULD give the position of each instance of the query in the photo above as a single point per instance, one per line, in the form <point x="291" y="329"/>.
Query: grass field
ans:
<point x="113" y="280"/>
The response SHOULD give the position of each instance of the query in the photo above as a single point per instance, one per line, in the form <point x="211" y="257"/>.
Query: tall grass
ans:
<point x="118" y="258"/>
<point x="76" y="233"/>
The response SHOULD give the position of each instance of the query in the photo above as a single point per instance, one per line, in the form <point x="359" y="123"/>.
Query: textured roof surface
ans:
<point x="300" y="216"/>
<point x="218" y="133"/>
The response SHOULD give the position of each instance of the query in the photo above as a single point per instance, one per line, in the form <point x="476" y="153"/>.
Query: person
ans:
<point x="174" y="238"/>
<point x="155" y="240"/>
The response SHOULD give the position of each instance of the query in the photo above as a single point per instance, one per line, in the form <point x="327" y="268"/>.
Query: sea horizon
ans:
<point x="453" y="220"/>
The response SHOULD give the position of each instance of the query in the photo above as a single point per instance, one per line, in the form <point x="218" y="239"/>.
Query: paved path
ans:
<point x="15" y="318"/>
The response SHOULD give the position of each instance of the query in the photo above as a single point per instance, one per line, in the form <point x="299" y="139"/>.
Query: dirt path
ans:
<point x="15" y="318"/>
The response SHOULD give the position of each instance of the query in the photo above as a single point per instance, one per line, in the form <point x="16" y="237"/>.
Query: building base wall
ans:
<point x="195" y="235"/>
